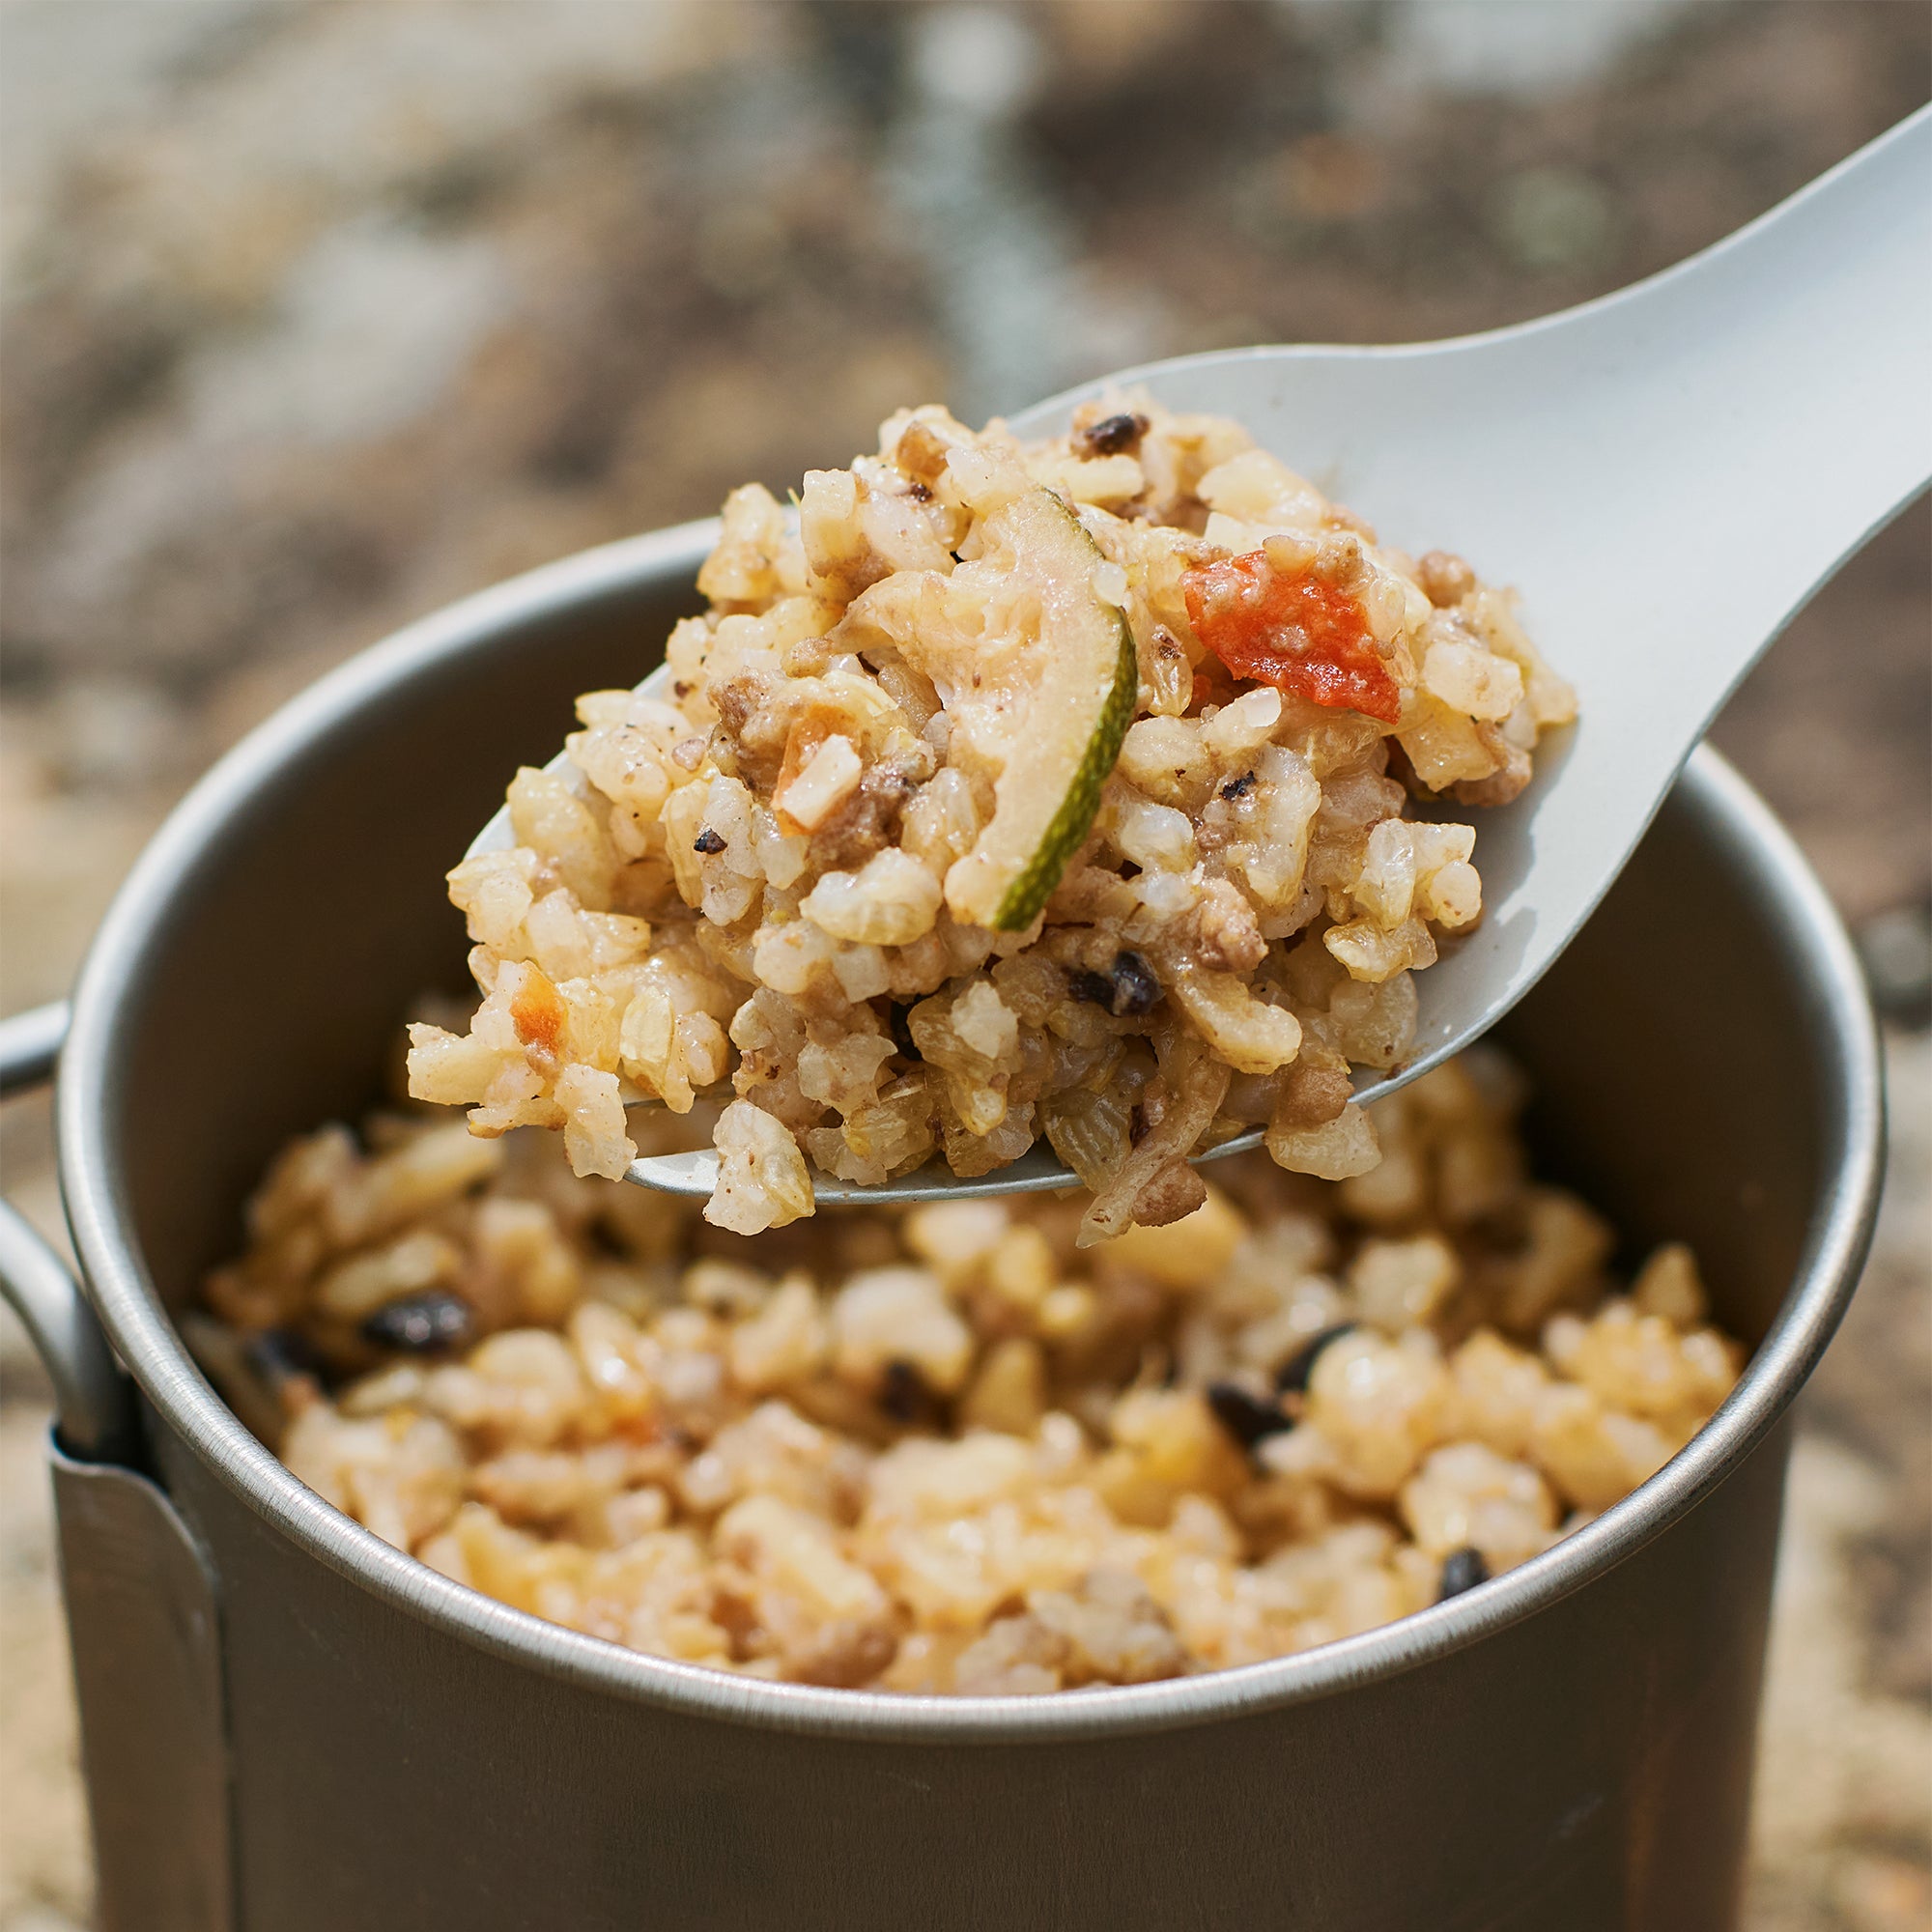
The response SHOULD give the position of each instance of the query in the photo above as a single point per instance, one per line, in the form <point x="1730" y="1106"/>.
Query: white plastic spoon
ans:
<point x="1666" y="475"/>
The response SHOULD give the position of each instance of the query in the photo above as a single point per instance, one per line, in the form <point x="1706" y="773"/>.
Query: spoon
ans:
<point x="1666" y="475"/>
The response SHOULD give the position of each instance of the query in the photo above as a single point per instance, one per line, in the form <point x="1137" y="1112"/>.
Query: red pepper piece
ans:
<point x="1298" y="634"/>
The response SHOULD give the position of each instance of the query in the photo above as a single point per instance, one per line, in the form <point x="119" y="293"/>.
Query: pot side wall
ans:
<point x="1588" y="1768"/>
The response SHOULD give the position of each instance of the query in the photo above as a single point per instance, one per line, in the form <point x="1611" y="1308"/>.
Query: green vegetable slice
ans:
<point x="1084" y="682"/>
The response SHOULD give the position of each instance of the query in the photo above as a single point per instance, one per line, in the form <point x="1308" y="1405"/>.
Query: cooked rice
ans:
<point x="761" y="880"/>
<point x="948" y="1450"/>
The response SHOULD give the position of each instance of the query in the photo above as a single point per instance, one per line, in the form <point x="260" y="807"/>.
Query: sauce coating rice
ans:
<point x="948" y="1450"/>
<point x="1010" y="791"/>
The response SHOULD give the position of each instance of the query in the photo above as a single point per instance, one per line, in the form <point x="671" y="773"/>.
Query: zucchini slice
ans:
<point x="1070" y="713"/>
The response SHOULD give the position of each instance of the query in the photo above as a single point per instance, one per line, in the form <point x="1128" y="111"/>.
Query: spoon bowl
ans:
<point x="1666" y="475"/>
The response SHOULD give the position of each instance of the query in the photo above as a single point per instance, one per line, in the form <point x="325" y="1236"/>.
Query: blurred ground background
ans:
<point x="316" y="315"/>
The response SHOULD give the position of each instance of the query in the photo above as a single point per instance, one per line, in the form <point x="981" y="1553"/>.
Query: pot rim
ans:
<point x="89" y="1093"/>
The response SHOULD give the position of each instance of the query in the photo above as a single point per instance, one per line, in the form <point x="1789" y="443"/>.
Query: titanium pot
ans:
<point x="289" y="1726"/>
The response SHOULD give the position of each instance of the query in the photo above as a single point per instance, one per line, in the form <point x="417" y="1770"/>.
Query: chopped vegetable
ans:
<point x="1083" y="678"/>
<point x="1300" y="634"/>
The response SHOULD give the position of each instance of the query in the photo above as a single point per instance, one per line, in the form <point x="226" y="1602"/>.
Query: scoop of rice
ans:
<point x="774" y="875"/>
<point x="951" y="1450"/>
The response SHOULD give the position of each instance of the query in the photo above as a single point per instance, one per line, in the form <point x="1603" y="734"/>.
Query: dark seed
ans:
<point x="920" y="492"/>
<point x="1245" y="1417"/>
<point x="707" y="841"/>
<point x="1111" y="435"/>
<point x="1292" y="1377"/>
<point x="1462" y="1569"/>
<point x="1126" y="989"/>
<point x="904" y="1395"/>
<point x="900" y="1026"/>
<point x="1238" y="787"/>
<point x="1096" y="988"/>
<point x="278" y="1354"/>
<point x="419" y="1325"/>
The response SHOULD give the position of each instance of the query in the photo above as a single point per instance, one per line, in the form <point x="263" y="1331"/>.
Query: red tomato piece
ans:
<point x="1298" y="634"/>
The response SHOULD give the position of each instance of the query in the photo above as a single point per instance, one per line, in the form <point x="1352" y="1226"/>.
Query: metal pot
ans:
<point x="289" y="1726"/>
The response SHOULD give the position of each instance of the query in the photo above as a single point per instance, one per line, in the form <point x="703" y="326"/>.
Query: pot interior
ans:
<point x="1683" y="1082"/>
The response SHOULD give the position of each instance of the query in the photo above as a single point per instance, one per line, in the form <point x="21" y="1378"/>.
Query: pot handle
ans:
<point x="94" y="1402"/>
<point x="144" y="1633"/>
<point x="30" y="1044"/>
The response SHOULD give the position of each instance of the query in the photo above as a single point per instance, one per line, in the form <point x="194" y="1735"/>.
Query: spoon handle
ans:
<point x="1765" y="409"/>
<point x="1678" y="468"/>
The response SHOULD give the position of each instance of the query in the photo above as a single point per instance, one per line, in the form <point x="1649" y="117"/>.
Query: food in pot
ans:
<point x="946" y="1449"/>
<point x="1011" y="790"/>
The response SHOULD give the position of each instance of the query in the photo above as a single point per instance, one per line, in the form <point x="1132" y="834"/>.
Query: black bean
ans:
<point x="419" y="1325"/>
<point x="1292" y="1377"/>
<point x="1126" y="989"/>
<point x="277" y="1355"/>
<point x="1238" y="787"/>
<point x="904" y="1394"/>
<point x="1111" y="435"/>
<point x="1462" y="1569"/>
<point x="708" y="842"/>
<point x="1244" y="1416"/>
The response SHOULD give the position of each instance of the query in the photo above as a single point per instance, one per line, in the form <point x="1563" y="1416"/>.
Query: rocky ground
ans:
<point x="317" y="314"/>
